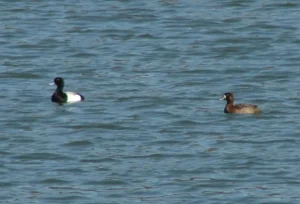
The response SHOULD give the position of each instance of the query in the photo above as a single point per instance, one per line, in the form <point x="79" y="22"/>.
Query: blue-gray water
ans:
<point x="151" y="129"/>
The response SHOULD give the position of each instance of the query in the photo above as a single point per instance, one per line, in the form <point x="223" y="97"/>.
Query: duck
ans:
<point x="238" y="108"/>
<point x="64" y="97"/>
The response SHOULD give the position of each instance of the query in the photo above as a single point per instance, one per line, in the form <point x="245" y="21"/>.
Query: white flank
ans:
<point x="73" y="97"/>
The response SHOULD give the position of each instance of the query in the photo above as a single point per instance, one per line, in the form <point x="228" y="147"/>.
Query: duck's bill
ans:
<point x="51" y="84"/>
<point x="222" y="98"/>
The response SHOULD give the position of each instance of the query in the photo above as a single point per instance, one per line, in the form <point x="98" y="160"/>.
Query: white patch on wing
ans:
<point x="73" y="97"/>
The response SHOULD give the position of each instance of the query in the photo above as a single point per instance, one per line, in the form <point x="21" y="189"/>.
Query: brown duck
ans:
<point x="238" y="108"/>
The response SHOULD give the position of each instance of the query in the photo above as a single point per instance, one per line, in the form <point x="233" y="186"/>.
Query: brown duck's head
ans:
<point x="228" y="97"/>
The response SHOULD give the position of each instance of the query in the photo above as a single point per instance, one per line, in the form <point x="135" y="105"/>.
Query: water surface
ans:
<point x="151" y="129"/>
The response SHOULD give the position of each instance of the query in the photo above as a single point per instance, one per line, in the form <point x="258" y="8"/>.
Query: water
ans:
<point x="151" y="129"/>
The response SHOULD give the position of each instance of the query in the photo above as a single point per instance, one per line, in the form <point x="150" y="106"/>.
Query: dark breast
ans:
<point x="58" y="98"/>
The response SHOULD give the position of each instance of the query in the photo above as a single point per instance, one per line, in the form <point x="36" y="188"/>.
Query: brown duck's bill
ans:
<point x="222" y="98"/>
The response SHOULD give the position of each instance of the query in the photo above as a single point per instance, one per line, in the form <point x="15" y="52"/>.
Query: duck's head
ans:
<point x="228" y="97"/>
<point x="59" y="82"/>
